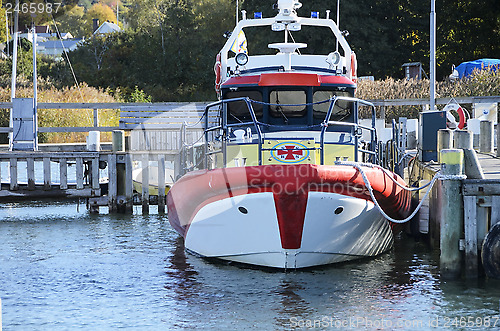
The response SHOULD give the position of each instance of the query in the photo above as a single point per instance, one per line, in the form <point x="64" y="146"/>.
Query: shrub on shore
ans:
<point x="482" y="83"/>
<point x="46" y="92"/>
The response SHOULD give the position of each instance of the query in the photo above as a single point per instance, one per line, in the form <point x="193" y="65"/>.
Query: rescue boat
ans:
<point x="286" y="176"/>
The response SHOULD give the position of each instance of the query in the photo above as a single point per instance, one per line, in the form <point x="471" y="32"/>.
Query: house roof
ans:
<point x="68" y="44"/>
<point x="107" y="27"/>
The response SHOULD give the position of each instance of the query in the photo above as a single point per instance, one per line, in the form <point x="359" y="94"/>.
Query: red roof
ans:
<point x="288" y="79"/>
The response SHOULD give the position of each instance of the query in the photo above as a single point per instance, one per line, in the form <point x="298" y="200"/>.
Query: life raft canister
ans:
<point x="217" y="70"/>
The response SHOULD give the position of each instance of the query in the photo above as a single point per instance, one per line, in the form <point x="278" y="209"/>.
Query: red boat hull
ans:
<point x="290" y="185"/>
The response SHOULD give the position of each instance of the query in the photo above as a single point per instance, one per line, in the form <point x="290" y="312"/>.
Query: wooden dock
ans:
<point x="458" y="225"/>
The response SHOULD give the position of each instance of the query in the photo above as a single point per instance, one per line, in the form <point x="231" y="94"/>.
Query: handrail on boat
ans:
<point x="372" y="152"/>
<point x="225" y="125"/>
<point x="355" y="126"/>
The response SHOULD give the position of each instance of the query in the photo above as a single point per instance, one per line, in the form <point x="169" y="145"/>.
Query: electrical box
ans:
<point x="430" y="123"/>
<point x="24" y="132"/>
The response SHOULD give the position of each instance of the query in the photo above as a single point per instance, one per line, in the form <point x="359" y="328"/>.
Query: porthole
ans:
<point x="243" y="210"/>
<point x="338" y="210"/>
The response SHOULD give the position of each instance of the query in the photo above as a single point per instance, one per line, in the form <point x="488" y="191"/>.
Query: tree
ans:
<point x="3" y="27"/>
<point x="72" y="21"/>
<point x="98" y="11"/>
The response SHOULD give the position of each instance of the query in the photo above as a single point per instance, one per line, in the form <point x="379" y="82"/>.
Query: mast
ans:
<point x="35" y="87"/>
<point x="433" y="57"/>
<point x="338" y="22"/>
<point x="14" y="54"/>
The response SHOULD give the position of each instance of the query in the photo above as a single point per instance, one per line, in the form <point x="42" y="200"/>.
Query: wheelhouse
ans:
<point x="289" y="101"/>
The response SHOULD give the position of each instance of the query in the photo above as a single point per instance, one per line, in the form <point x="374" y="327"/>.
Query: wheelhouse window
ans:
<point x="341" y="111"/>
<point x="287" y="103"/>
<point x="238" y="110"/>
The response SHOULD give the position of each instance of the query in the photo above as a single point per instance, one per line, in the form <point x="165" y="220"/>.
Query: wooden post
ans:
<point x="145" y="183"/>
<point x="451" y="214"/>
<point x="79" y="173"/>
<point x="161" y="184"/>
<point x="121" y="200"/>
<point x="118" y="140"/>
<point x="63" y="173"/>
<point x="112" y="186"/>
<point x="46" y="174"/>
<point x="486" y="137"/>
<point x="470" y="229"/>
<point x="129" y="189"/>
<point x="95" y="176"/>
<point x="498" y="140"/>
<point x="444" y="140"/>
<point x="30" y="171"/>
<point x="495" y="210"/>
<point x="94" y="209"/>
<point x="462" y="139"/>
<point x="14" y="186"/>
<point x="96" y="117"/>
<point x="472" y="167"/>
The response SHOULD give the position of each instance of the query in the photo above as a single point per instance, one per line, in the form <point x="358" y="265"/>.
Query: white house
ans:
<point x="107" y="27"/>
<point x="55" y="48"/>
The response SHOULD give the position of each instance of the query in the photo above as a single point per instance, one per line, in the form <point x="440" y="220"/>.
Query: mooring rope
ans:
<point x="370" y="189"/>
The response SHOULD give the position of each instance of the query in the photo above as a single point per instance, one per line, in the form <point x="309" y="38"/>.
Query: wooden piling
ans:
<point x="13" y="174"/>
<point x="129" y="189"/>
<point x="451" y="213"/>
<point x="46" y="174"/>
<point x="63" y="174"/>
<point x="472" y="168"/>
<point x="30" y="171"/>
<point x="118" y="141"/>
<point x="486" y="137"/>
<point x="498" y="140"/>
<point x="470" y="231"/>
<point x="161" y="183"/>
<point x="112" y="186"/>
<point x="444" y="140"/>
<point x="145" y="183"/>
<point x="79" y="173"/>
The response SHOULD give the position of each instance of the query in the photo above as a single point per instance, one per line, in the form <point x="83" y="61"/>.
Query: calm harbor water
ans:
<point x="62" y="268"/>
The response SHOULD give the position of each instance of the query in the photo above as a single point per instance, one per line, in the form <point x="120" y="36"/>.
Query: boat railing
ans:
<point x="356" y="129"/>
<point x="223" y="127"/>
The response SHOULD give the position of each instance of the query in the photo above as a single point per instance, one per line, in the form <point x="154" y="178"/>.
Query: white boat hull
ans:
<point x="245" y="229"/>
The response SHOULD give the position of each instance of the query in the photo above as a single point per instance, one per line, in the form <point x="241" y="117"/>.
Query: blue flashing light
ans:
<point x="315" y="14"/>
<point x="257" y="15"/>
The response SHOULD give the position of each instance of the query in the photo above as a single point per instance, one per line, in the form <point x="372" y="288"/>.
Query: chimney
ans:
<point x="95" y="24"/>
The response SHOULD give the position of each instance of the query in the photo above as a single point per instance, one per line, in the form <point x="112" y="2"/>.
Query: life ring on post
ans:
<point x="461" y="115"/>
<point x="217" y="70"/>
<point x="354" y="68"/>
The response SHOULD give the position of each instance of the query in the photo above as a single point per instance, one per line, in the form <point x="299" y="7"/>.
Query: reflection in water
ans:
<point x="181" y="275"/>
<point x="292" y="304"/>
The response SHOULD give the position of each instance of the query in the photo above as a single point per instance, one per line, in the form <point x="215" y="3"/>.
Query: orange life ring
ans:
<point x="461" y="114"/>
<point x="217" y="70"/>
<point x="354" y="68"/>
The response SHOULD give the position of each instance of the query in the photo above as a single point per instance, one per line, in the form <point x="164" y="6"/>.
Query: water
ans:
<point x="62" y="268"/>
